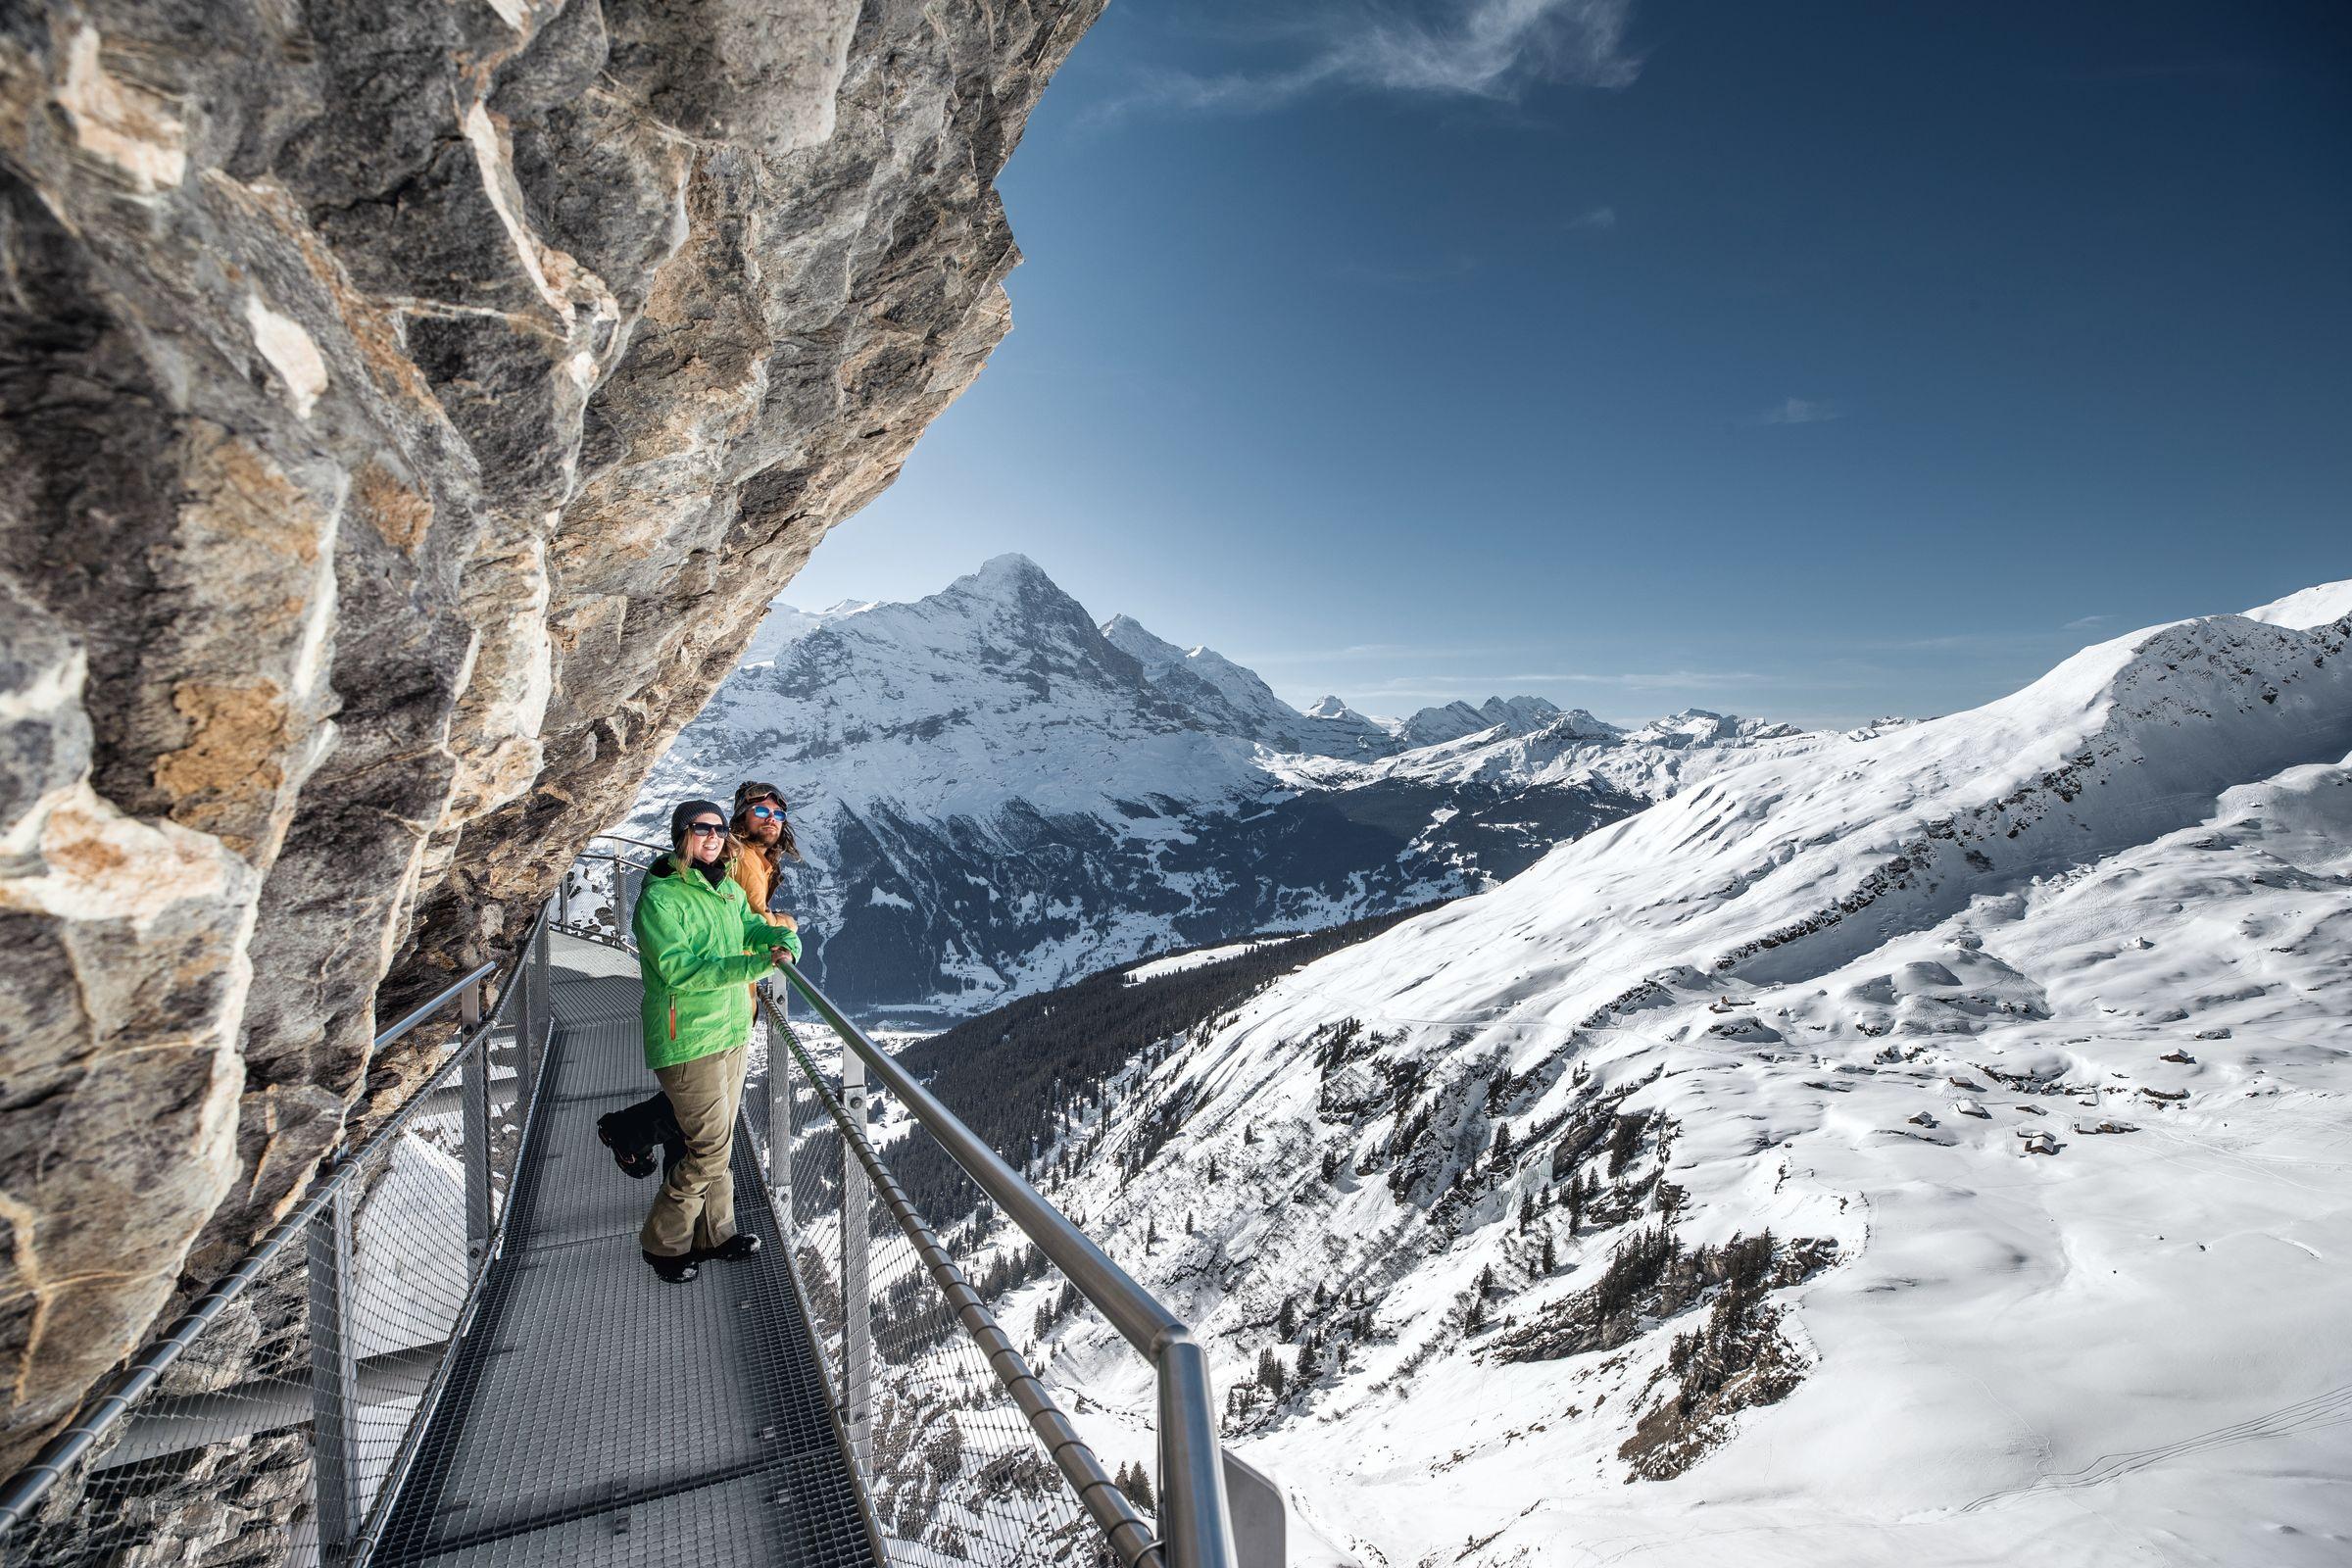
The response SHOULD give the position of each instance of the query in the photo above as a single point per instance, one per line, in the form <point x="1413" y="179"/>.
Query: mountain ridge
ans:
<point x="995" y="791"/>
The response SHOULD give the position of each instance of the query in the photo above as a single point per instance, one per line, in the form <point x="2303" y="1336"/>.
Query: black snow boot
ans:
<point x="634" y="1132"/>
<point x="612" y="1134"/>
<point x="672" y="1270"/>
<point x="735" y="1249"/>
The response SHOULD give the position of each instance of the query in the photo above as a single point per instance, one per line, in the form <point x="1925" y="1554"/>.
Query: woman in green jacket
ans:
<point x="701" y="949"/>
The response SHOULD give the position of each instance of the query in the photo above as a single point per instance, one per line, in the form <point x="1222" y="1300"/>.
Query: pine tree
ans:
<point x="1331" y="1165"/>
<point x="1286" y="1324"/>
<point x="1502" y="1142"/>
<point x="1552" y="1257"/>
<point x="1476" y="1319"/>
<point x="1526" y="1211"/>
<point x="1270" y="1373"/>
<point x="1188" y="1222"/>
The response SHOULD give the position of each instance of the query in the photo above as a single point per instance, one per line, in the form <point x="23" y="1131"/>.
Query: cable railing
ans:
<point x="272" y="1420"/>
<point x="965" y="1455"/>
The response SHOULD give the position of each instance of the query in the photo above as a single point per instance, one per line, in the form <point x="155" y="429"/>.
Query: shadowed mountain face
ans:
<point x="996" y="795"/>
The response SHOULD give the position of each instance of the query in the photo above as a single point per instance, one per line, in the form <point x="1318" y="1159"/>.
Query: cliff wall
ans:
<point x="405" y="413"/>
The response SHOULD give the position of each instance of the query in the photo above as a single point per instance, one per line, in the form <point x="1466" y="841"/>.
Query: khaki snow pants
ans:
<point x="696" y="1205"/>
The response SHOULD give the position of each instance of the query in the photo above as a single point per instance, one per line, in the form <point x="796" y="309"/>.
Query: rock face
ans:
<point x="406" y="412"/>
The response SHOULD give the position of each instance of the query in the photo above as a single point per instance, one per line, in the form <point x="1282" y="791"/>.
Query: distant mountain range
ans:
<point x="996" y="793"/>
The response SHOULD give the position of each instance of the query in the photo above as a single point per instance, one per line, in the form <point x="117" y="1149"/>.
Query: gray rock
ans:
<point x="406" y="412"/>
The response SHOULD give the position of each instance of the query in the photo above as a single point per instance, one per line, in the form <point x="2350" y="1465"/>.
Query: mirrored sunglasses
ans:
<point x="706" y="829"/>
<point x="767" y="814"/>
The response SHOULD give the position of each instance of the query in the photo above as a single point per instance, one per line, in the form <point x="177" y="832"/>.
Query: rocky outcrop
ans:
<point x="406" y="412"/>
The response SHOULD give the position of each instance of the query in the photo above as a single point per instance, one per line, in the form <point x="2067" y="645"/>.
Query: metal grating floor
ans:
<point x="598" y="1416"/>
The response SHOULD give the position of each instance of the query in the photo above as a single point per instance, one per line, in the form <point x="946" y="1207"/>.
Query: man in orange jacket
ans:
<point x="761" y="841"/>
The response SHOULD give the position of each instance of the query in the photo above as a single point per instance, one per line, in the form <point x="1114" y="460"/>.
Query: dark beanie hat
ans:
<point x="686" y="813"/>
<point x="751" y="789"/>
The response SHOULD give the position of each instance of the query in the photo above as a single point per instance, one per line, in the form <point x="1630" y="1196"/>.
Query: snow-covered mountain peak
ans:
<point x="1129" y="635"/>
<point x="1579" y="724"/>
<point x="1008" y="574"/>
<point x="1519" y="715"/>
<point x="1230" y="698"/>
<point x="2312" y="606"/>
<point x="1697" y="726"/>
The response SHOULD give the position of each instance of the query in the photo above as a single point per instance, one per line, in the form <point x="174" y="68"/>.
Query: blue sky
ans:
<point x="1811" y="361"/>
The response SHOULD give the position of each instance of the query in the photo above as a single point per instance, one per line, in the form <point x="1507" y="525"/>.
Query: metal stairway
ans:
<point x="594" y="1415"/>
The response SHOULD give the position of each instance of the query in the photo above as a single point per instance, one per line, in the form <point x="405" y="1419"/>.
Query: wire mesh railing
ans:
<point x="271" y="1422"/>
<point x="966" y="1458"/>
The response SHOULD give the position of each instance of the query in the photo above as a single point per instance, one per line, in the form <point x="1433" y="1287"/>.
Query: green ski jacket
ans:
<point x="691" y="942"/>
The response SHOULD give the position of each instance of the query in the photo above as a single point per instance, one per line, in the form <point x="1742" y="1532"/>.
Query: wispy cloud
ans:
<point x="2086" y="622"/>
<point x="1598" y="218"/>
<point x="1639" y="680"/>
<point x="1492" y="49"/>
<point x="1801" y="411"/>
<point x="1317" y="656"/>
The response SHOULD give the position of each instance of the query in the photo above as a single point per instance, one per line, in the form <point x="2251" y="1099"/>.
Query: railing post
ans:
<point x="857" y="1344"/>
<point x="539" y="1015"/>
<point x="779" y="1101"/>
<point x="1194" y="1520"/>
<point x="334" y="1380"/>
<point x="474" y="1075"/>
<point x="564" y="900"/>
<point x="526" y="1013"/>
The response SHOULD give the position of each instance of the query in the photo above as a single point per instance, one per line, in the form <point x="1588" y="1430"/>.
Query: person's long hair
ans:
<point x="786" y="845"/>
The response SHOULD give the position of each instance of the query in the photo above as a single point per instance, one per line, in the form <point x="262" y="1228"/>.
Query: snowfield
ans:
<point x="1161" y="968"/>
<point x="2030" y="1022"/>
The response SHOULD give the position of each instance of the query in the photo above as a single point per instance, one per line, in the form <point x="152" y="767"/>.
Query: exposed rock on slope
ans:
<point x="404" y="415"/>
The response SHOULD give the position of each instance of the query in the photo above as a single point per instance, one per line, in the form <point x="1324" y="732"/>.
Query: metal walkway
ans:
<point x="449" y="1352"/>
<point x="594" y="1415"/>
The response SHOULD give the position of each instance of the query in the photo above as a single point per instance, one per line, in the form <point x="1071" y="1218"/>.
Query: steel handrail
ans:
<point x="24" y="1489"/>
<point x="1193" y="1508"/>
<point x="1098" y="1493"/>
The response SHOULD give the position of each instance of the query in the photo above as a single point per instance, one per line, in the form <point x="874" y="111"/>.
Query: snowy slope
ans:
<point x="995" y="794"/>
<point x="2022" y="1030"/>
